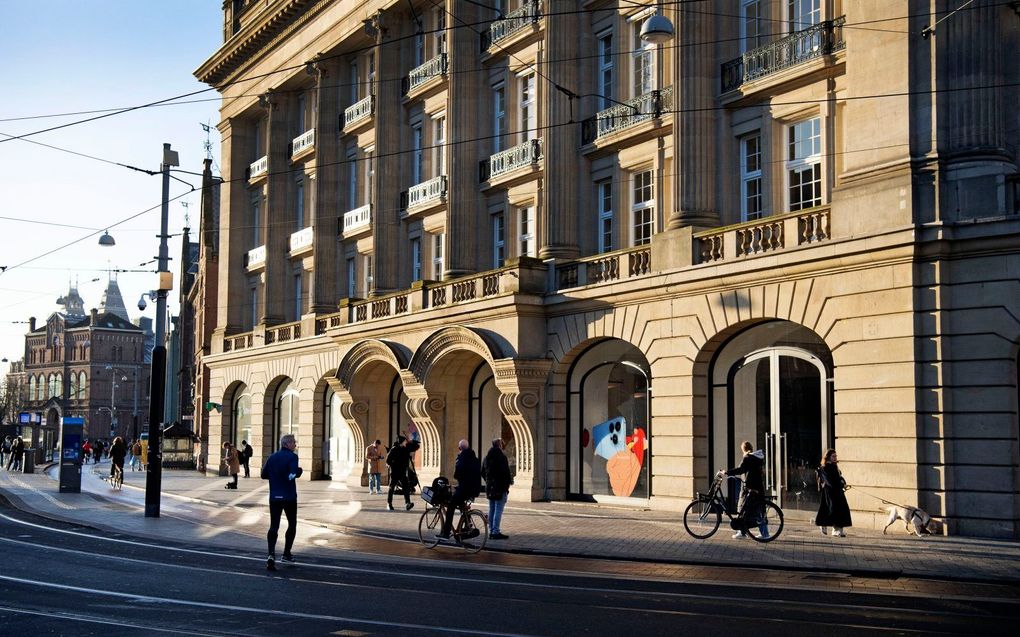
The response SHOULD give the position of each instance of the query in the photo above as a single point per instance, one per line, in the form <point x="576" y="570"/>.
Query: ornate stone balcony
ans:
<point x="283" y="333"/>
<point x="763" y="236"/>
<point x="359" y="112"/>
<point x="814" y="42"/>
<point x="424" y="193"/>
<point x="255" y="257"/>
<point x="603" y="268"/>
<point x="436" y="67"/>
<point x="302" y="143"/>
<point x="520" y="156"/>
<point x="301" y="239"/>
<point x="357" y="219"/>
<point x="513" y="22"/>
<point x="258" y="168"/>
<point x="619" y="117"/>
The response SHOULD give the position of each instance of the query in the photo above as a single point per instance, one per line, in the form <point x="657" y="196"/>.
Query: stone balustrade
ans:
<point x="304" y="141"/>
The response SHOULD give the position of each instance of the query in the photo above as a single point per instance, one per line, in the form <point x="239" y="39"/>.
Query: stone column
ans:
<point x="695" y="88"/>
<point x="558" y="209"/>
<point x="428" y="414"/>
<point x="386" y="231"/>
<point x="521" y="383"/>
<point x="464" y="202"/>
<point x="279" y="214"/>
<point x="324" y="291"/>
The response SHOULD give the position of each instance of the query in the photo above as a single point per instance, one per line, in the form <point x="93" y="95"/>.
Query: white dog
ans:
<point x="917" y="521"/>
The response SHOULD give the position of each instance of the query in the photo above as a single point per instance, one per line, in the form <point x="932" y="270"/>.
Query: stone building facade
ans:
<point x="785" y="225"/>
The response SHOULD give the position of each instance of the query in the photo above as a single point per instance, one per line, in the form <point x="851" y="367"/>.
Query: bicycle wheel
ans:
<point x="702" y="518"/>
<point x="769" y="525"/>
<point x="429" y="527"/>
<point x="472" y="531"/>
<point x="118" y="479"/>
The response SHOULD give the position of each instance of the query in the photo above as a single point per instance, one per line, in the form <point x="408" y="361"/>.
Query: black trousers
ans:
<point x="405" y="486"/>
<point x="247" y="470"/>
<point x="276" y="507"/>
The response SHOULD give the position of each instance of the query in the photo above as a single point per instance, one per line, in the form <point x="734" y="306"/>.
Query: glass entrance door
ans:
<point x="779" y="402"/>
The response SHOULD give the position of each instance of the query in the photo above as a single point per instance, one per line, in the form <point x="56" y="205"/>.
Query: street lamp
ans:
<point x="157" y="386"/>
<point x="657" y="28"/>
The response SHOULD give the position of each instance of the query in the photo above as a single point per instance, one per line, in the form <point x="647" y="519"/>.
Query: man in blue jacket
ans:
<point x="282" y="470"/>
<point x="468" y="474"/>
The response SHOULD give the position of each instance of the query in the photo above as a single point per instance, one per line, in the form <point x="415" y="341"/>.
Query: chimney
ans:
<point x="95" y="316"/>
<point x="31" y="324"/>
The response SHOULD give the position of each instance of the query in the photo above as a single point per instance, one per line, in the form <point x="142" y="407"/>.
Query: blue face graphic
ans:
<point x="610" y="437"/>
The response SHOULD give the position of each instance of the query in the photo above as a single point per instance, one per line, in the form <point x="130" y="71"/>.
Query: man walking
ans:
<point x="281" y="469"/>
<point x="374" y="456"/>
<point x="399" y="458"/>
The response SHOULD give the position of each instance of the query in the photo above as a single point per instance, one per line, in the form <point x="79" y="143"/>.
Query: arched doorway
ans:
<point x="339" y="455"/>
<point x="610" y="432"/>
<point x="285" y="412"/>
<point x="487" y="422"/>
<point x="771" y="385"/>
<point x="240" y="417"/>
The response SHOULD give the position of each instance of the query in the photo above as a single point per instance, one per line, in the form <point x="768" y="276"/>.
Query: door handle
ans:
<point x="784" y="465"/>
<point x="769" y="461"/>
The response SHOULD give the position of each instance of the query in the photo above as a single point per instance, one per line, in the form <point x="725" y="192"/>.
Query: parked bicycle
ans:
<point x="704" y="515"/>
<point x="471" y="531"/>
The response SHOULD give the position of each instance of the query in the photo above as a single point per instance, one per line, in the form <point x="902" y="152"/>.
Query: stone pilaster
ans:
<point x="694" y="82"/>
<point x="558" y="209"/>
<point x="462" y="125"/>
<point x="386" y="234"/>
<point x="327" y="188"/>
<point x="279" y="214"/>
<point x="234" y="215"/>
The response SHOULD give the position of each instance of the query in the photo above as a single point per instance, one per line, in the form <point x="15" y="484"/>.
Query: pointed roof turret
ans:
<point x="113" y="302"/>
<point x="74" y="306"/>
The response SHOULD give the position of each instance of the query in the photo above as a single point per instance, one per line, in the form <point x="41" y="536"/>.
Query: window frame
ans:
<point x="498" y="239"/>
<point x="643" y="62"/>
<point x="750" y="176"/>
<point x="527" y="244"/>
<point x="642" y="211"/>
<point x="797" y="164"/>
<point x="606" y="68"/>
<point x="438" y="255"/>
<point x="527" y="111"/>
<point x="604" y="205"/>
<point x="499" y="126"/>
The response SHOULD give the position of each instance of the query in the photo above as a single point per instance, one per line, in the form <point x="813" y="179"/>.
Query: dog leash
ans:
<point x="880" y="499"/>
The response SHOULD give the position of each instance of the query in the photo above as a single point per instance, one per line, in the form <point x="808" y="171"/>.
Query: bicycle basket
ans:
<point x="438" y="493"/>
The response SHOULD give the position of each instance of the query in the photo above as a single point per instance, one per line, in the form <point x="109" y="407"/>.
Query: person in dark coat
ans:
<point x="468" y="474"/>
<point x="281" y="469"/>
<point x="399" y="459"/>
<point x="118" y="451"/>
<point x="17" y="454"/>
<point x="833" y="510"/>
<point x="496" y="471"/>
<point x="752" y="467"/>
<point x="244" y="454"/>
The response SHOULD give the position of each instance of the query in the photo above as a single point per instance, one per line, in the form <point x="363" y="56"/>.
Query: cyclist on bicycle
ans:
<point x="118" y="451"/>
<point x="752" y="467"/>
<point x="468" y="474"/>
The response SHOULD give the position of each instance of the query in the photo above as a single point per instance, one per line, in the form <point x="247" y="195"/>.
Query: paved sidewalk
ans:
<point x="198" y="508"/>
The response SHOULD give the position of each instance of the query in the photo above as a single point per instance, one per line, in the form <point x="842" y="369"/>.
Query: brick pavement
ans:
<point x="198" y="507"/>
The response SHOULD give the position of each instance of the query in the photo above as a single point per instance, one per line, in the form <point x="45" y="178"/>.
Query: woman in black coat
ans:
<point x="496" y="471"/>
<point x="833" y="510"/>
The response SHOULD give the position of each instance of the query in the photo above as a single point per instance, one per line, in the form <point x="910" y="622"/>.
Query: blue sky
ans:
<point x="80" y="56"/>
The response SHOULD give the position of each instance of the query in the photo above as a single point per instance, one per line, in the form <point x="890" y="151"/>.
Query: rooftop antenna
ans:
<point x="207" y="145"/>
<point x="187" y="217"/>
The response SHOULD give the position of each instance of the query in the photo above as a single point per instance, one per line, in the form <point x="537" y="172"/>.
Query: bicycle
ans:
<point x="116" y="478"/>
<point x="470" y="533"/>
<point x="703" y="516"/>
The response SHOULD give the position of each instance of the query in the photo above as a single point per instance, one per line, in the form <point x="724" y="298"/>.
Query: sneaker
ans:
<point x="824" y="530"/>
<point x="410" y="505"/>
<point x="389" y="506"/>
<point x="838" y="532"/>
<point x="287" y="557"/>
<point x="271" y="563"/>
<point x="739" y="535"/>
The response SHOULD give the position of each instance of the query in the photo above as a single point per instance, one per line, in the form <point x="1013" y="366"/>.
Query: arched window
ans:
<point x="31" y="387"/>
<point x="241" y="421"/>
<point x="74" y="386"/>
<point x="40" y="387"/>
<point x="52" y="389"/>
<point x="286" y="420"/>
<point x="83" y="385"/>
<point x="59" y="386"/>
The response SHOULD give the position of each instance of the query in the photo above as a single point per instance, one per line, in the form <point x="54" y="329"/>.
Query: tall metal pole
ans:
<point x="154" y="477"/>
<point x="113" y="402"/>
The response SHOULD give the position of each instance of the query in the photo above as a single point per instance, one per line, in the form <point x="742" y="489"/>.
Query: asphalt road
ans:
<point x="58" y="579"/>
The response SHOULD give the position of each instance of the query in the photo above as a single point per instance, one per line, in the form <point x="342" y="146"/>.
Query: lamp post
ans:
<point x="157" y="377"/>
<point x="134" y="387"/>
<point x="113" y="403"/>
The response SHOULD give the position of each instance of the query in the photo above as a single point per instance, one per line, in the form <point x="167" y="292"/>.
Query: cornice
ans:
<point x="251" y="41"/>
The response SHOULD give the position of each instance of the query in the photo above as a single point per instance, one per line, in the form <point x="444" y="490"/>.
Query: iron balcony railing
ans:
<point x="814" y="42"/>
<point x="616" y="118"/>
<point x="511" y="23"/>
<point x="433" y="68"/>
<point x="358" y="218"/>
<point x="520" y="156"/>
<point x="423" y="193"/>
<point x="302" y="142"/>
<point x="359" y="111"/>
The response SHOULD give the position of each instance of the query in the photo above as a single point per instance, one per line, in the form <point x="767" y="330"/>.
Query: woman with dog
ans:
<point x="833" y="509"/>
